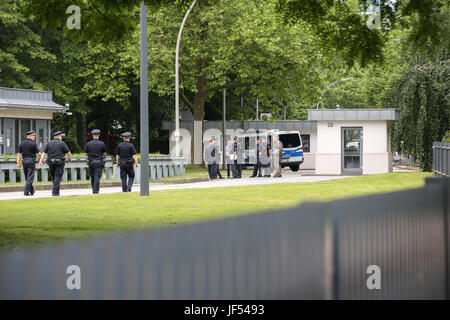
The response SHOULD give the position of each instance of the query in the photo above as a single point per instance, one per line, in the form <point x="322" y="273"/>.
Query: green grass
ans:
<point x="32" y="221"/>
<point x="203" y="173"/>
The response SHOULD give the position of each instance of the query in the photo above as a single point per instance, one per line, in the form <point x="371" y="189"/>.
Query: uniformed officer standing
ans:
<point x="125" y="156"/>
<point x="238" y="155"/>
<point x="210" y="159"/>
<point x="95" y="150"/>
<point x="56" y="151"/>
<point x="264" y="157"/>
<point x="257" y="166"/>
<point x="216" y="154"/>
<point x="276" y="153"/>
<point x="28" y="150"/>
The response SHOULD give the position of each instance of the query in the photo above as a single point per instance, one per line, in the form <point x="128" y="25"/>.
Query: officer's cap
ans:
<point x="58" y="133"/>
<point x="126" y="134"/>
<point x="235" y="137"/>
<point x="95" y="131"/>
<point x="31" y="132"/>
<point x="213" y="138"/>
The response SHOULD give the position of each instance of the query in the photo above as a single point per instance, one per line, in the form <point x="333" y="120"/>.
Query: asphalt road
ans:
<point x="288" y="177"/>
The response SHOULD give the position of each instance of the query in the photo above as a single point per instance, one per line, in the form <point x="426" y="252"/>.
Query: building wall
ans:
<point x="376" y="146"/>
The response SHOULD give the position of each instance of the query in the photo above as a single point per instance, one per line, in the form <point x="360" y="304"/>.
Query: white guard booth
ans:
<point x="353" y="141"/>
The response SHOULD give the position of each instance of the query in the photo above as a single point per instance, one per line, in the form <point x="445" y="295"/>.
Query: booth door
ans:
<point x="352" y="155"/>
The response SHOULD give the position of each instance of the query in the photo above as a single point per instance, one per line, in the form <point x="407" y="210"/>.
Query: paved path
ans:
<point x="288" y="177"/>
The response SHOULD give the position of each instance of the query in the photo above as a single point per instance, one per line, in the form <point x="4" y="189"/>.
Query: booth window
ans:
<point x="305" y="141"/>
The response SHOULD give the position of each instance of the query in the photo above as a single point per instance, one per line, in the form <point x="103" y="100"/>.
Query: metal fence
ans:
<point x="313" y="251"/>
<point x="441" y="158"/>
<point x="78" y="169"/>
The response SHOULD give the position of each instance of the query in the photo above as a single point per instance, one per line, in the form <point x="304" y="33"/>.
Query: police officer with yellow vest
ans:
<point x="95" y="150"/>
<point x="28" y="150"/>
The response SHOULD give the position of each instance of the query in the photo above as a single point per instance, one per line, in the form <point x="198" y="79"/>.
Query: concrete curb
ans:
<point x="185" y="180"/>
<point x="39" y="187"/>
<point x="87" y="185"/>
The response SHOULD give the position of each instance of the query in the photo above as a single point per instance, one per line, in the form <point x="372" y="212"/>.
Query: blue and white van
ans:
<point x="292" y="156"/>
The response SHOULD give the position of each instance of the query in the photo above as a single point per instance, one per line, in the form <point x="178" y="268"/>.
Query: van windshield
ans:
<point x="290" y="140"/>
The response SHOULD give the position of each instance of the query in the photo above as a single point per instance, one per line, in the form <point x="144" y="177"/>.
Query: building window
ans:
<point x="306" y="141"/>
<point x="17" y="134"/>
<point x="2" y="125"/>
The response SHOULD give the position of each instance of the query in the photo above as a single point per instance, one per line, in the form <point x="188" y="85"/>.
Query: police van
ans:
<point x="292" y="156"/>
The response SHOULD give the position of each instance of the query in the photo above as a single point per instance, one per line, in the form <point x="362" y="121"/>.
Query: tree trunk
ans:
<point x="81" y="129"/>
<point x="200" y="98"/>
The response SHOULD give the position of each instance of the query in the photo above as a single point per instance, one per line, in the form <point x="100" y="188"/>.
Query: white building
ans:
<point x="23" y="110"/>
<point x="335" y="142"/>
<point x="353" y="141"/>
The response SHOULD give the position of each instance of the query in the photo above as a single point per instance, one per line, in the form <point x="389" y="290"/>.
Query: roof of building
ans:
<point x="353" y="114"/>
<point x="282" y="125"/>
<point x="29" y="99"/>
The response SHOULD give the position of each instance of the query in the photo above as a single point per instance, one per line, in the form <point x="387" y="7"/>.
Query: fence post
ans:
<point x="329" y="272"/>
<point x="446" y="205"/>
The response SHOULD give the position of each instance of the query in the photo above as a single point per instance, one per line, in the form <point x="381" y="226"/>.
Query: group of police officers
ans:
<point x="56" y="151"/>
<point x="126" y="159"/>
<point x="266" y="164"/>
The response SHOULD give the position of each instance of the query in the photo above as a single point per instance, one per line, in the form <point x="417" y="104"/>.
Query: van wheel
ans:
<point x="295" y="167"/>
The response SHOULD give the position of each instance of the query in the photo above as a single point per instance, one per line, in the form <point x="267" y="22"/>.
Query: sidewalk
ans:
<point x="288" y="177"/>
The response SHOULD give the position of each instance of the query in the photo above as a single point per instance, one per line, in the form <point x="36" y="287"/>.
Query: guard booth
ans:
<point x="23" y="110"/>
<point x="353" y="141"/>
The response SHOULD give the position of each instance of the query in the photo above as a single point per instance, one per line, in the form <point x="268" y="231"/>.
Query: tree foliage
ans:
<point x="422" y="95"/>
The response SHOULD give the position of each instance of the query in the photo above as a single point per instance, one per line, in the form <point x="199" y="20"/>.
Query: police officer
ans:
<point x="28" y="150"/>
<point x="238" y="155"/>
<point x="257" y="165"/>
<point x="56" y="151"/>
<point x="264" y="156"/>
<point x="95" y="150"/>
<point x="209" y="157"/>
<point x="125" y="156"/>
<point x="216" y="154"/>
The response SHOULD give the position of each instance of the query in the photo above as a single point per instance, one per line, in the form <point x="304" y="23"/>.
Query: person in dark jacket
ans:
<point x="257" y="165"/>
<point x="95" y="150"/>
<point x="28" y="150"/>
<point x="56" y="151"/>
<point x="126" y="155"/>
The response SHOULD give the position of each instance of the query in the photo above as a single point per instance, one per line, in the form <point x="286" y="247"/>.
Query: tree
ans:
<point x="232" y="45"/>
<point x="422" y="95"/>
<point x="20" y="48"/>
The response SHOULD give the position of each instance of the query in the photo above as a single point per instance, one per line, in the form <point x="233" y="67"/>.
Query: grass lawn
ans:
<point x="32" y="221"/>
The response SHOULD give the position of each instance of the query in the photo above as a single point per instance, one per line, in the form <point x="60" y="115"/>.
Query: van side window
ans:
<point x="305" y="141"/>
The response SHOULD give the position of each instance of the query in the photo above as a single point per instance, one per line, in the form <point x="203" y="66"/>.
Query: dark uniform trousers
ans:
<point x="56" y="171"/>
<point x="29" y="169"/>
<point x="95" y="172"/>
<point x="212" y="171"/>
<point x="237" y="169"/>
<point x="229" y="165"/>
<point x="257" y="167"/>
<point x="126" y="171"/>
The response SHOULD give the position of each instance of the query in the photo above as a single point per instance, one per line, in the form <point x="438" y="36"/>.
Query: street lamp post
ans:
<point x="144" y="177"/>
<point x="177" y="83"/>
<point x="330" y="85"/>
<point x="224" y="128"/>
